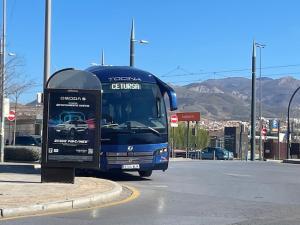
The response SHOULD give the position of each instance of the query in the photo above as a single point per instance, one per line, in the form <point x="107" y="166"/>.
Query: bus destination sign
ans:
<point x="125" y="86"/>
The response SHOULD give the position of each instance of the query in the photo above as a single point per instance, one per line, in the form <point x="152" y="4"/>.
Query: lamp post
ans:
<point x="260" y="46"/>
<point x="132" y="42"/>
<point x="47" y="43"/>
<point x="3" y="42"/>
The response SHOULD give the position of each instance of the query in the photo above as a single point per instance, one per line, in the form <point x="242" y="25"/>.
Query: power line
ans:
<point x="224" y="71"/>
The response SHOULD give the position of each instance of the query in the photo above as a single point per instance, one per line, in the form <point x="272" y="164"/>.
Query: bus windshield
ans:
<point x="133" y="107"/>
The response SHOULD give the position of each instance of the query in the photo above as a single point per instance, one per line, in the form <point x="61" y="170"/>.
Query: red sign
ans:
<point x="11" y="116"/>
<point x="189" y="116"/>
<point x="264" y="131"/>
<point x="174" y="120"/>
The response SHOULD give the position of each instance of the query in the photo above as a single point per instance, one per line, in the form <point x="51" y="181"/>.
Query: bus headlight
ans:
<point x="161" y="151"/>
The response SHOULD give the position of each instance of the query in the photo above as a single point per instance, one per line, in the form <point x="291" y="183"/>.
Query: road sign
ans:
<point x="11" y="116"/>
<point x="274" y="125"/>
<point x="188" y="116"/>
<point x="264" y="131"/>
<point x="174" y="121"/>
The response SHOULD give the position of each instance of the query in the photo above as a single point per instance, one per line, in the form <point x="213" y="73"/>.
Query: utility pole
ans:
<point x="132" y="40"/>
<point x="260" y="46"/>
<point x="253" y="103"/>
<point x="278" y="136"/>
<point x="47" y="44"/>
<point x="3" y="52"/>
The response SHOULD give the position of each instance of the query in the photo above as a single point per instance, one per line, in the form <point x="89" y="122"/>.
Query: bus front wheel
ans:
<point x="146" y="173"/>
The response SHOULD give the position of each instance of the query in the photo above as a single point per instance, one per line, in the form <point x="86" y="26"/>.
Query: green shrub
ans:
<point x="22" y="153"/>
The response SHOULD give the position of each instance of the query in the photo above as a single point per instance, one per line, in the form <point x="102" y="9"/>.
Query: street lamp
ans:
<point x="11" y="54"/>
<point x="132" y="41"/>
<point x="253" y="102"/>
<point x="260" y="46"/>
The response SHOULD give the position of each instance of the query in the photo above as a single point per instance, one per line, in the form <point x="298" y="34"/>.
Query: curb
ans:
<point x="77" y="203"/>
<point x="274" y="160"/>
<point x="21" y="165"/>
<point x="291" y="161"/>
<point x="179" y="159"/>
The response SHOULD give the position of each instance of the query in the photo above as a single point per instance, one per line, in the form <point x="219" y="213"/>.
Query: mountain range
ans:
<point x="230" y="98"/>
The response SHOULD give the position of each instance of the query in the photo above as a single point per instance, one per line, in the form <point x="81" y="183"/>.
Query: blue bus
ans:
<point x="134" y="125"/>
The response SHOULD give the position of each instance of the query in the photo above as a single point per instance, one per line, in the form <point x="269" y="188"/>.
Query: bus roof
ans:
<point x="108" y="74"/>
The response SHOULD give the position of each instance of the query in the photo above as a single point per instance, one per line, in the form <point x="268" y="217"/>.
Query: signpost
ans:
<point x="188" y="117"/>
<point x="274" y="125"/>
<point x="173" y="123"/>
<point x="264" y="132"/>
<point x="275" y="128"/>
<point x="11" y="116"/>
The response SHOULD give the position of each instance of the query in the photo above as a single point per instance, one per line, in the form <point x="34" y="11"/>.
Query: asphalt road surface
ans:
<point x="200" y="192"/>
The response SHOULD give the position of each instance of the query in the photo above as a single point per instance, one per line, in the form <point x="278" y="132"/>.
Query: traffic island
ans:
<point x="23" y="194"/>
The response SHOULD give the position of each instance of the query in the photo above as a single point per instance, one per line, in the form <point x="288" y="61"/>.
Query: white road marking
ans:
<point x="160" y="186"/>
<point x="150" y="186"/>
<point x="238" y="175"/>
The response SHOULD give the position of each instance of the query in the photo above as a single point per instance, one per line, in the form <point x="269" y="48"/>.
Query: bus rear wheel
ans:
<point x="146" y="173"/>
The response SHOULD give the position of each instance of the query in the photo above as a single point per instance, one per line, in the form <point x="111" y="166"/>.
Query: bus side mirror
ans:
<point x="173" y="99"/>
<point x="164" y="88"/>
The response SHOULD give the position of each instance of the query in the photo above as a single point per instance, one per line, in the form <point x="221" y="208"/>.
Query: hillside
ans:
<point x="230" y="98"/>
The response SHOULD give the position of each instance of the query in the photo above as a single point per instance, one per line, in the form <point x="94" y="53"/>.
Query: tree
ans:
<point x="199" y="141"/>
<point x="15" y="91"/>
<point x="15" y="83"/>
<point x="13" y="72"/>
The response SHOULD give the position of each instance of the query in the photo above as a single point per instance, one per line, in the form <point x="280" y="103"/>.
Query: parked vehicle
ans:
<point x="28" y="140"/>
<point x="219" y="153"/>
<point x="194" y="154"/>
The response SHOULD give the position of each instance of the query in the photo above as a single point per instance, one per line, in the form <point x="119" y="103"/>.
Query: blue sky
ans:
<point x="188" y="40"/>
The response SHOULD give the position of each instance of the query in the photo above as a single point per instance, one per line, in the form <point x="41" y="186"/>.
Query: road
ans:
<point x="200" y="192"/>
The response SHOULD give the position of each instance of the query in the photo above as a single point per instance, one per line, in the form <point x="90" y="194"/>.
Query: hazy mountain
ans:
<point x="230" y="98"/>
<point x="32" y="103"/>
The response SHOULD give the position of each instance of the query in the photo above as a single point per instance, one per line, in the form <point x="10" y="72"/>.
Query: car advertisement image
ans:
<point x="71" y="127"/>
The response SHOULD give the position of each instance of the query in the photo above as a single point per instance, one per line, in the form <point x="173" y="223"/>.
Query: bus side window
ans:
<point x="158" y="107"/>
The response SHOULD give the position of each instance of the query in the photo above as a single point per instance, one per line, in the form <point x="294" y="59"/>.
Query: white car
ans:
<point x="72" y="127"/>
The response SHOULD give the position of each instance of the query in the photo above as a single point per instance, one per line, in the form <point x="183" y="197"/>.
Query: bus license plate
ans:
<point x="131" y="167"/>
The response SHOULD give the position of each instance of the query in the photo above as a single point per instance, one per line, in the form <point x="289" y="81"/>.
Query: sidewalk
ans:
<point x="22" y="193"/>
